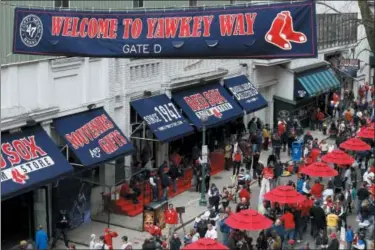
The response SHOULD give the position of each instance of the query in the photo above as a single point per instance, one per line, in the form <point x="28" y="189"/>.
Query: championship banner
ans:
<point x="93" y="136"/>
<point x="282" y="30"/>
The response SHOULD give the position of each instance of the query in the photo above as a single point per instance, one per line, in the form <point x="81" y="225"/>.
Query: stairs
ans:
<point x="126" y="207"/>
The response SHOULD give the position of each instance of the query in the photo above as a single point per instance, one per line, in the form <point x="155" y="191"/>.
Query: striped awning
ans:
<point x="319" y="82"/>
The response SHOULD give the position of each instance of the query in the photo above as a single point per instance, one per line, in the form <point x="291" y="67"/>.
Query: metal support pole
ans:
<point x="203" y="201"/>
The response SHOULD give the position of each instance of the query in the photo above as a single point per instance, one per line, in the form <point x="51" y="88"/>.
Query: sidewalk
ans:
<point x="190" y="199"/>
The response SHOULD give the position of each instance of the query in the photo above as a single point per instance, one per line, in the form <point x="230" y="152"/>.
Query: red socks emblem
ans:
<point x="282" y="33"/>
<point x="18" y="177"/>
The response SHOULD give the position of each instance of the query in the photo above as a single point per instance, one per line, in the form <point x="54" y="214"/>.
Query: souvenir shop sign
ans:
<point x="282" y="30"/>
<point x="93" y="136"/>
<point x="163" y="117"/>
<point x="29" y="158"/>
<point x="208" y="105"/>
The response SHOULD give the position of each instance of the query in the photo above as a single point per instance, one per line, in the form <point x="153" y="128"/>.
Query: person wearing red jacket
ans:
<point x="317" y="189"/>
<point x="243" y="193"/>
<point x="171" y="219"/>
<point x="281" y="128"/>
<point x="108" y="236"/>
<point x="155" y="230"/>
<point x="305" y="207"/>
<point x="267" y="176"/>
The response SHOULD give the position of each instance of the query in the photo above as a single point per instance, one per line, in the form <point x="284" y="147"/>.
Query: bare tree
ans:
<point x="368" y="21"/>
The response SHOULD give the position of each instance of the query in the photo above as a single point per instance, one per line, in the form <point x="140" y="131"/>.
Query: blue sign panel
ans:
<point x="245" y="93"/>
<point x="211" y="102"/>
<point x="162" y="116"/>
<point x="93" y="136"/>
<point x="280" y="30"/>
<point x="29" y="158"/>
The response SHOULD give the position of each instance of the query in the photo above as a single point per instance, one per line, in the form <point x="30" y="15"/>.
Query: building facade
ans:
<point x="44" y="89"/>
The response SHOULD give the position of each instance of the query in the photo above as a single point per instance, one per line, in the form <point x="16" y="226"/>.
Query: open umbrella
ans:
<point x="284" y="195"/>
<point x="248" y="220"/>
<point x="206" y="243"/>
<point x="338" y="157"/>
<point x="367" y="132"/>
<point x="319" y="169"/>
<point x="355" y="144"/>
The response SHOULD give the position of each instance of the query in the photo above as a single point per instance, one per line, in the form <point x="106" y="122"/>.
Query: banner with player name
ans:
<point x="93" y="136"/>
<point x="29" y="158"/>
<point x="163" y="118"/>
<point x="275" y="30"/>
<point x="211" y="104"/>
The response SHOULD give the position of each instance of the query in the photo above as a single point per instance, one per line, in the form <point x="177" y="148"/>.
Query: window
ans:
<point x="138" y="4"/>
<point x="337" y="30"/>
<point x="61" y="3"/>
<point x="193" y="3"/>
<point x="232" y="1"/>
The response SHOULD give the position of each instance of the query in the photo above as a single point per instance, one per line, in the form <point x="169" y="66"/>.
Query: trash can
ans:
<point x="297" y="150"/>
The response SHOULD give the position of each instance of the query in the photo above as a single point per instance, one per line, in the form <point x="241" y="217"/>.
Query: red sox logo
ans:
<point x="281" y="32"/>
<point x="217" y="113"/>
<point x="23" y="149"/>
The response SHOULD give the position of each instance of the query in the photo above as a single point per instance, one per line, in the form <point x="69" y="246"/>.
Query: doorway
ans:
<point x="17" y="220"/>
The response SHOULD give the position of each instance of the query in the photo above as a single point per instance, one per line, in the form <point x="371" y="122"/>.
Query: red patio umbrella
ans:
<point x="319" y="169"/>
<point x="248" y="219"/>
<point x="338" y="157"/>
<point x="284" y="195"/>
<point x="367" y="132"/>
<point x="206" y="243"/>
<point x="355" y="144"/>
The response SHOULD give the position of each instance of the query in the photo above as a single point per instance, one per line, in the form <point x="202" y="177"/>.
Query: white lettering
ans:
<point x="27" y="167"/>
<point x="136" y="49"/>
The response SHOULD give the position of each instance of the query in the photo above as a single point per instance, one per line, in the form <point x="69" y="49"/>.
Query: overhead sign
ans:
<point x="245" y="93"/>
<point x="208" y="105"/>
<point x="163" y="117"/>
<point x="282" y="30"/>
<point x="28" y="158"/>
<point x="93" y="136"/>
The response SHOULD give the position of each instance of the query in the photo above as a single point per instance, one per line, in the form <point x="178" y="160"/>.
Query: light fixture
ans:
<point x="30" y="122"/>
<point x="91" y="106"/>
<point x="147" y="93"/>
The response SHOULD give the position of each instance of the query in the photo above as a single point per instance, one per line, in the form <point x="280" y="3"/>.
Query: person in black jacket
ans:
<point x="165" y="183"/>
<point x="318" y="220"/>
<point x="174" y="174"/>
<point x="298" y="225"/>
<point x="362" y="194"/>
<point x="62" y="226"/>
<point x="175" y="242"/>
<point x="276" y="144"/>
<point x="334" y="244"/>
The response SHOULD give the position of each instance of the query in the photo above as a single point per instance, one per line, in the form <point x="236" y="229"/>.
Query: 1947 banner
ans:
<point x="284" y="30"/>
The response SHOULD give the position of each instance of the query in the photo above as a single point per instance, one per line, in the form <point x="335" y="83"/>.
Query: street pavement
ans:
<point x="190" y="200"/>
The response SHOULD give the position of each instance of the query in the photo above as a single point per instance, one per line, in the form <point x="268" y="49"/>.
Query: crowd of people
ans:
<point x="323" y="214"/>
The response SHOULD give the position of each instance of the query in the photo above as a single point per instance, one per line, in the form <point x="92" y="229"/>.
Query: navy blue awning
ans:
<point x="245" y="93"/>
<point x="163" y="118"/>
<point x="211" y="100"/>
<point x="93" y="136"/>
<point x="29" y="158"/>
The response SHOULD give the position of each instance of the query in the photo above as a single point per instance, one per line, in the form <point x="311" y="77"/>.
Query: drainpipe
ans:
<point x="245" y="71"/>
